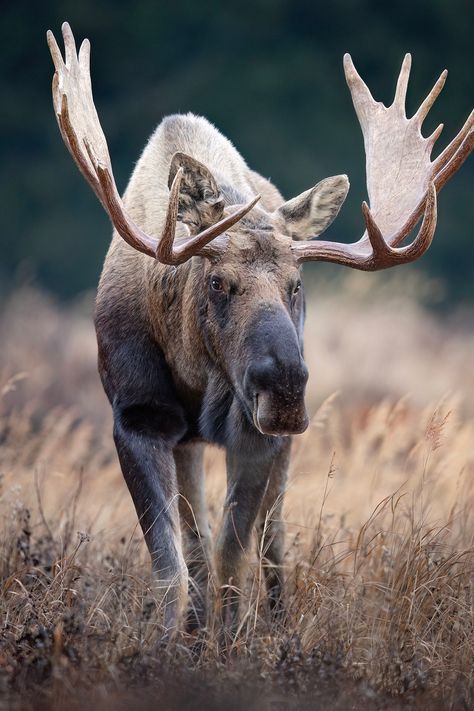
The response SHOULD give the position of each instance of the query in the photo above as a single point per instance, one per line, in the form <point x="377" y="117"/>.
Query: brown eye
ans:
<point x="297" y="288"/>
<point x="216" y="284"/>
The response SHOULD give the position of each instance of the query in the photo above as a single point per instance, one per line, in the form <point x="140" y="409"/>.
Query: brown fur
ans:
<point x="175" y="359"/>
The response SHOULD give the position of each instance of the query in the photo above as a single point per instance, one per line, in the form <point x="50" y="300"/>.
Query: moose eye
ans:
<point x="216" y="284"/>
<point x="297" y="288"/>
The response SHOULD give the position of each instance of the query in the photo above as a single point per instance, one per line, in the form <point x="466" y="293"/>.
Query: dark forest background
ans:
<point x="268" y="73"/>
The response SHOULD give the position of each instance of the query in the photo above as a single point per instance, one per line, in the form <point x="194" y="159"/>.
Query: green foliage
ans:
<point x="268" y="73"/>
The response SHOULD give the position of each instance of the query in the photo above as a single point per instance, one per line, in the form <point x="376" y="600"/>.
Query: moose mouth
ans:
<point x="271" y="419"/>
<point x="257" y="424"/>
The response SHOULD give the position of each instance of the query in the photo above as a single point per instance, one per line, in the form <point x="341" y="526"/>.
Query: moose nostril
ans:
<point x="262" y="373"/>
<point x="269" y="373"/>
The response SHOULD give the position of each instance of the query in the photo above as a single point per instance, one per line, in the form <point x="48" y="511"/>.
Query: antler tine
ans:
<point x="56" y="55"/>
<point x="451" y="149"/>
<point x="85" y="57"/>
<point x="402" y="83"/>
<point x="164" y="249"/>
<point x="435" y="135"/>
<point x="83" y="135"/>
<point x="425" y="107"/>
<point x="361" y="97"/>
<point x="379" y="246"/>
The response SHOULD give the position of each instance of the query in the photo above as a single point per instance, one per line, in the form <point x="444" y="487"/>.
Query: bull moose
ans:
<point x="200" y="313"/>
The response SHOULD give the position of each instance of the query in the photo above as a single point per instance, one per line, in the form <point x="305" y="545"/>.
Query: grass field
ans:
<point x="379" y="559"/>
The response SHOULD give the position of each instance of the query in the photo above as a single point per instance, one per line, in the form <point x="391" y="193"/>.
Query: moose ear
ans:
<point x="200" y="201"/>
<point x="309" y="214"/>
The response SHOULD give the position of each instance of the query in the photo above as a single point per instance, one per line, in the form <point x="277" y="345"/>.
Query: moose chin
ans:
<point x="200" y="314"/>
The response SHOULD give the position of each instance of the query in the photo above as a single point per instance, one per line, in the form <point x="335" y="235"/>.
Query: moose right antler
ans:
<point x="82" y="133"/>
<point x="402" y="181"/>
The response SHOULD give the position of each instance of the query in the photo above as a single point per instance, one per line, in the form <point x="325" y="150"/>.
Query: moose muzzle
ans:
<point x="276" y="375"/>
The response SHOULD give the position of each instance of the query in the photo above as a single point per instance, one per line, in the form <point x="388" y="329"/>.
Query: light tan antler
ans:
<point x="83" y="135"/>
<point x="402" y="181"/>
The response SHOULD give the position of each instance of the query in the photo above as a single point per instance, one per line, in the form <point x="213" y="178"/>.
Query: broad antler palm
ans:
<point x="402" y="181"/>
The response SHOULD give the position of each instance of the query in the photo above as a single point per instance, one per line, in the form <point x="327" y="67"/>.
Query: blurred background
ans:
<point x="391" y="390"/>
<point x="268" y="73"/>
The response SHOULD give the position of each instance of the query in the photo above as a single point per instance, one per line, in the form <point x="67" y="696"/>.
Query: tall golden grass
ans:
<point x="379" y="560"/>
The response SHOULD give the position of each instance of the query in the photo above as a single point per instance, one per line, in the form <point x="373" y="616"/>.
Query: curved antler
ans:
<point x="82" y="133"/>
<point x="402" y="181"/>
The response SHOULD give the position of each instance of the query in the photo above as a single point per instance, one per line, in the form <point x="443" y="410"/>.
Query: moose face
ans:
<point x="254" y="307"/>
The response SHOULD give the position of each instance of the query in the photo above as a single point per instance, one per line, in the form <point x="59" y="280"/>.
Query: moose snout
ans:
<point x="270" y="373"/>
<point x="277" y="392"/>
<point x="275" y="375"/>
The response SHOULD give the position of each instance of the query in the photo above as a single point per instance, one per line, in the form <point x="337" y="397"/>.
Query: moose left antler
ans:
<point x="83" y="135"/>
<point x="402" y="181"/>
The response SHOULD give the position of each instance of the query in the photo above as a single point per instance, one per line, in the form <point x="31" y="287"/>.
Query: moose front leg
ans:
<point x="247" y="480"/>
<point x="271" y="529"/>
<point x="195" y="529"/>
<point x="149" y="470"/>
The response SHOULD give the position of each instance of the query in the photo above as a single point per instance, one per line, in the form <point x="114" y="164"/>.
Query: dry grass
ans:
<point x="379" y="518"/>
